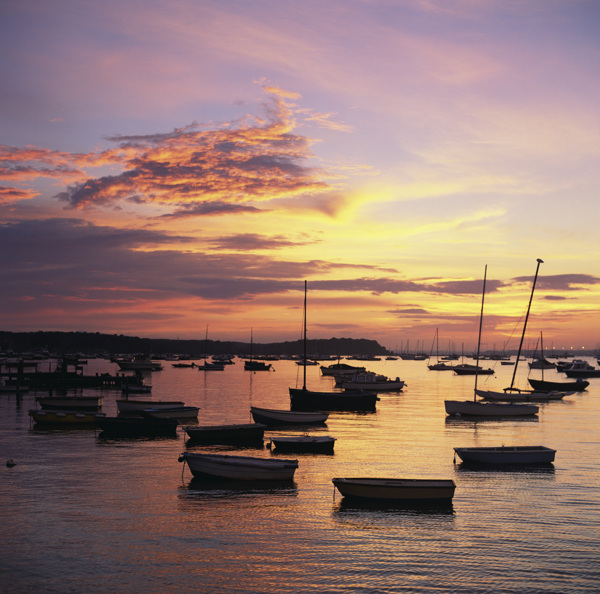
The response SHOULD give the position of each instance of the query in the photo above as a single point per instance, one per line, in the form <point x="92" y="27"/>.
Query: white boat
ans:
<point x="135" y="406"/>
<point x="475" y="408"/>
<point x="273" y="417"/>
<point x="306" y="444"/>
<point x="372" y="381"/>
<point x="239" y="467"/>
<point x="506" y="455"/>
<point x="396" y="489"/>
<point x="174" y="412"/>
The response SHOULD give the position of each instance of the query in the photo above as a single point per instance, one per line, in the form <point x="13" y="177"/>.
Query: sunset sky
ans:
<point x="172" y="164"/>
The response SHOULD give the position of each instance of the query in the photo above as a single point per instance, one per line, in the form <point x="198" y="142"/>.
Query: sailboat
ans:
<point x="438" y="365"/>
<point x="542" y="385"/>
<point x="207" y="365"/>
<point x="302" y="399"/>
<point x="251" y="364"/>
<point x="512" y="393"/>
<point x="486" y="409"/>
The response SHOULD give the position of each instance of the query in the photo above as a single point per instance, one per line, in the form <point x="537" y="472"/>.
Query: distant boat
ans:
<point x="252" y="364"/>
<point x="468" y="369"/>
<point x="139" y="362"/>
<point x="509" y="455"/>
<point x="396" y="489"/>
<point x="438" y="366"/>
<point x="541" y="363"/>
<point x="373" y="382"/>
<point x="304" y="444"/>
<point x="302" y="399"/>
<point x="239" y="467"/>
<point x="79" y="403"/>
<point x="248" y="433"/>
<point x="338" y="369"/>
<point x="275" y="417"/>
<point x="482" y="409"/>
<point x="209" y="365"/>
<point x="65" y="417"/>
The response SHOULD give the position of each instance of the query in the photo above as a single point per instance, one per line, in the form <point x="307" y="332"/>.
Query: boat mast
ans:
<point x="539" y="261"/>
<point x="479" y="337"/>
<point x="304" y="341"/>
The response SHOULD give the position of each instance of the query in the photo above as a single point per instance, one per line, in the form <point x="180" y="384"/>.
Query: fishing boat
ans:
<point x="512" y="393"/>
<point x="180" y="413"/>
<point x="91" y="403"/>
<point x="509" y="455"/>
<point x="137" y="427"/>
<point x="65" y="417"/>
<point x="304" y="444"/>
<point x="246" y="468"/>
<point x="243" y="434"/>
<point x="374" y="382"/>
<point x="302" y="399"/>
<point x="486" y="409"/>
<point x="136" y="406"/>
<point x="396" y="489"/>
<point x="274" y="417"/>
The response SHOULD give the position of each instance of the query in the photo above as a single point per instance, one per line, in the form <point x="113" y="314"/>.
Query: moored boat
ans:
<point x="539" y="385"/>
<point x="91" y="403"/>
<point x="302" y="399"/>
<point x="304" y="444"/>
<point x="65" y="417"/>
<point x="275" y="417"/>
<point x="135" y="406"/>
<point x="396" y="489"/>
<point x="488" y="409"/>
<point x="509" y="455"/>
<point x="517" y="395"/>
<point x="247" y="433"/>
<point x="337" y="369"/>
<point x="373" y="382"/>
<point x="175" y="412"/>
<point x="239" y="467"/>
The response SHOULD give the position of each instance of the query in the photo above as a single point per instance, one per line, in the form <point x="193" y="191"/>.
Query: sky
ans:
<point x="172" y="167"/>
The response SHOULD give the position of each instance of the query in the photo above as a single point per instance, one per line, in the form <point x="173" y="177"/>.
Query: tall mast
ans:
<point x="539" y="261"/>
<point x="304" y="366"/>
<point x="479" y="337"/>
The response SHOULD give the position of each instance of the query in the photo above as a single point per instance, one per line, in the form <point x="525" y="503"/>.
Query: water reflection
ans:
<point x="213" y="488"/>
<point x="466" y="421"/>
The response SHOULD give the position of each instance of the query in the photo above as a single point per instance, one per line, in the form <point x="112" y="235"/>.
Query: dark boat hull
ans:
<point x="136" y="427"/>
<point x="547" y="386"/>
<point x="307" y="400"/>
<point x="249" y="433"/>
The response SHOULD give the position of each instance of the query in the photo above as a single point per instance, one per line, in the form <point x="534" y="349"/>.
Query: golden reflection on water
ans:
<point x="123" y="514"/>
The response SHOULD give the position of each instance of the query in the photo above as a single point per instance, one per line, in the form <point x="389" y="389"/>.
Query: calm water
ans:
<point x="84" y="514"/>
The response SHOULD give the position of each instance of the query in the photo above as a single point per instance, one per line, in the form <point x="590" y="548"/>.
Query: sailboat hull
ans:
<point x="489" y="409"/>
<point x="308" y="400"/>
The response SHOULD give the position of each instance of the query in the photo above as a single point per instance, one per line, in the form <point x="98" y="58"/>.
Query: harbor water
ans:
<point x="83" y="513"/>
